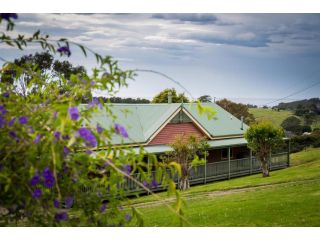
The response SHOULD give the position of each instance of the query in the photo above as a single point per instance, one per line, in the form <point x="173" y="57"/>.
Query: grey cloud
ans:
<point x="187" y="17"/>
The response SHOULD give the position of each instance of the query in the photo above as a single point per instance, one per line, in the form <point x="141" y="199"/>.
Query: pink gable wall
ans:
<point x="168" y="133"/>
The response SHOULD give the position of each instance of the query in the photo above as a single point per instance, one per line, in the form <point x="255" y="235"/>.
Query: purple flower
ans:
<point x="68" y="202"/>
<point x="65" y="50"/>
<point x="127" y="217"/>
<point x="2" y="110"/>
<point x="6" y="94"/>
<point x="103" y="207"/>
<point x="35" y="180"/>
<point x="2" y="121"/>
<point x="74" y="113"/>
<point x="99" y="128"/>
<point x="66" y="151"/>
<point x="65" y="137"/>
<point x="61" y="216"/>
<point x="48" y="177"/>
<point x="93" y="83"/>
<point x="154" y="183"/>
<point x="56" y="203"/>
<point x="57" y="135"/>
<point x="30" y="129"/>
<point x="8" y="16"/>
<point x="23" y="120"/>
<point x="12" y="122"/>
<point x="12" y="134"/>
<point x="88" y="136"/>
<point x="37" y="139"/>
<point x="145" y="183"/>
<point x="55" y="115"/>
<point x="121" y="130"/>
<point x="95" y="102"/>
<point x="127" y="168"/>
<point x="88" y="152"/>
<point x="37" y="194"/>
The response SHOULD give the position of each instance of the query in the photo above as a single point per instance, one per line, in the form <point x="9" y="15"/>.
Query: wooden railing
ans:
<point x="210" y="172"/>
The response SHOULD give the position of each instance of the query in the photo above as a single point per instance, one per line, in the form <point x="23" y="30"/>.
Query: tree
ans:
<point x="186" y="152"/>
<point x="237" y="109"/>
<point x="205" y="98"/>
<point x="124" y="100"/>
<point x="25" y="69"/>
<point x="162" y="97"/>
<point x="262" y="138"/>
<point x="292" y="124"/>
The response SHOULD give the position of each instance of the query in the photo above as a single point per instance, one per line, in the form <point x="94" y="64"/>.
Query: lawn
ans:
<point x="290" y="197"/>
<point x="276" y="117"/>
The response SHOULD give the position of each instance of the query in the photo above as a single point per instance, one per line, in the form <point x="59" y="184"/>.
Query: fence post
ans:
<point x="229" y="161"/>
<point x="205" y="168"/>
<point x="250" y="161"/>
<point x="288" y="158"/>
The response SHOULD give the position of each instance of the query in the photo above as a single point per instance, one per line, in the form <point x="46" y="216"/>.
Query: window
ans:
<point x="224" y="153"/>
<point x="181" y="117"/>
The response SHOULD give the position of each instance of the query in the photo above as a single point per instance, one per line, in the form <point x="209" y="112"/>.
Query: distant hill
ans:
<point x="312" y="104"/>
<point x="276" y="117"/>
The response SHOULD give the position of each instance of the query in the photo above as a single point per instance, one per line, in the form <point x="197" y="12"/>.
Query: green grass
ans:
<point x="275" y="117"/>
<point x="289" y="197"/>
<point x="262" y="114"/>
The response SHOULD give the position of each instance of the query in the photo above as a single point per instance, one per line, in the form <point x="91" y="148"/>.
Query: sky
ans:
<point x="248" y="58"/>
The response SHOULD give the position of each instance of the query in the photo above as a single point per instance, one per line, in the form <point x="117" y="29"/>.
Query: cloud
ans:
<point x="187" y="17"/>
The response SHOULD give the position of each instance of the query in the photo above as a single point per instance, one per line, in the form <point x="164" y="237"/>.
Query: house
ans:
<point x="154" y="126"/>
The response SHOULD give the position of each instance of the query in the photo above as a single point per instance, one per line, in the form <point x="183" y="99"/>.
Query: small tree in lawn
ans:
<point x="186" y="152"/>
<point x="262" y="137"/>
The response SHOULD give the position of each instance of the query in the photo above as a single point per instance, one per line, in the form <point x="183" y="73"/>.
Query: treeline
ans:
<point x="124" y="100"/>
<point x="302" y="107"/>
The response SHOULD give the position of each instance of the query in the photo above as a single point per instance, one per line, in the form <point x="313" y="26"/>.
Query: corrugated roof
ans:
<point x="143" y="120"/>
<point x="223" y="123"/>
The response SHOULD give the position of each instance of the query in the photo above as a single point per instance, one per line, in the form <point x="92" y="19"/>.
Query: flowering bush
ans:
<point x="52" y="172"/>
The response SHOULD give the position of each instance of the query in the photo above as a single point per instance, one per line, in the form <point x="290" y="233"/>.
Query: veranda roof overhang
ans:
<point x="221" y="143"/>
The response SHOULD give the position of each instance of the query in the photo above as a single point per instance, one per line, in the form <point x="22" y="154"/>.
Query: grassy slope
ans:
<point x="277" y="117"/>
<point x="270" y="115"/>
<point x="294" y="203"/>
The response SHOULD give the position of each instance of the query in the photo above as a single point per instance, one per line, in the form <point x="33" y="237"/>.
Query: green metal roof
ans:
<point x="143" y="120"/>
<point x="223" y="123"/>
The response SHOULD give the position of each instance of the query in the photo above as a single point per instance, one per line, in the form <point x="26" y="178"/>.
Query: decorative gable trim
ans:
<point x="197" y="124"/>
<point x="194" y="121"/>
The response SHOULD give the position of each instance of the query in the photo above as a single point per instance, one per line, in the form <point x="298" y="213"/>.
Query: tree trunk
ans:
<point x="184" y="183"/>
<point x="265" y="167"/>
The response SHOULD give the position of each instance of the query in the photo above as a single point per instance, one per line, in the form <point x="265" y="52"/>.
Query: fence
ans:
<point x="210" y="172"/>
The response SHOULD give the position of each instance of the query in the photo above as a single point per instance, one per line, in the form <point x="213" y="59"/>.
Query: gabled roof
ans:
<point x="142" y="121"/>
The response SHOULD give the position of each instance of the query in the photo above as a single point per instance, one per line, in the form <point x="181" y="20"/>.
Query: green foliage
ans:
<point x="186" y="152"/>
<point x="52" y="172"/>
<point x="162" y="97"/>
<point x="209" y="111"/>
<point x="237" y="109"/>
<point x="292" y="124"/>
<point x="299" y="143"/>
<point x="205" y="98"/>
<point x="262" y="138"/>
